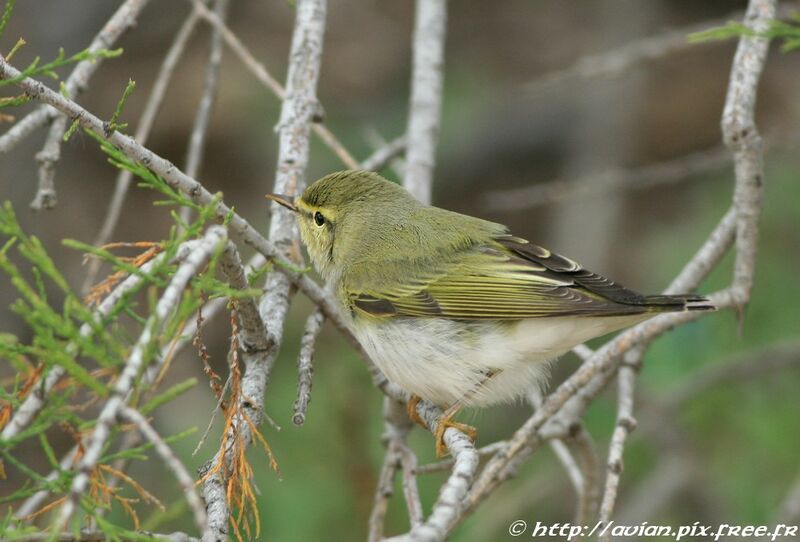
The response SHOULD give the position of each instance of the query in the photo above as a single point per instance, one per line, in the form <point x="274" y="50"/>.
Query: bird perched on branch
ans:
<point x="455" y="309"/>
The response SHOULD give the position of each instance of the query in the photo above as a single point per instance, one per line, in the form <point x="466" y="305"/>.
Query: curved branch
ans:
<point x="425" y="109"/>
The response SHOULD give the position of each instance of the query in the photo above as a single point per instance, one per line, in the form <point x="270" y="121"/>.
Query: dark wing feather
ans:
<point x="510" y="279"/>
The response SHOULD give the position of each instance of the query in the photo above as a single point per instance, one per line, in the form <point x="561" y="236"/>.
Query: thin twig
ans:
<point x="384" y="154"/>
<point x="447" y="464"/>
<point x="743" y="367"/>
<point x="305" y="368"/>
<point x="564" y="456"/>
<point x="408" y="462"/>
<point x="625" y="424"/>
<point x="582" y="444"/>
<point x="649" y="176"/>
<point x="383" y="493"/>
<point x="47" y="158"/>
<point x="621" y="59"/>
<point x="214" y="412"/>
<point x="425" y="108"/>
<point x="202" y="119"/>
<point x="124" y="18"/>
<point x="674" y="472"/>
<point x="398" y="457"/>
<point x="254" y="338"/>
<point x="32" y="503"/>
<point x="261" y="73"/>
<point x="173" y="463"/>
<point x="377" y="142"/>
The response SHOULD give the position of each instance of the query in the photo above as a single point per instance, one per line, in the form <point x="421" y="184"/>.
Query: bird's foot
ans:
<point x="411" y="408"/>
<point x="446" y="421"/>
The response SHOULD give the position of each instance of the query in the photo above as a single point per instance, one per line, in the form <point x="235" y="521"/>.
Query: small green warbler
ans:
<point x="454" y="309"/>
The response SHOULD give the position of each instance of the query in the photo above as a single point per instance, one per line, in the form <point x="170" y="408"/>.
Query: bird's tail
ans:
<point x="685" y="302"/>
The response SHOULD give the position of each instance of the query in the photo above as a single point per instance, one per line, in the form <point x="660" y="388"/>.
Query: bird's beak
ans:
<point x="286" y="201"/>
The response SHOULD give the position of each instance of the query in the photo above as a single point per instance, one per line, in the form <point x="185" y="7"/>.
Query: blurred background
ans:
<point x="514" y="120"/>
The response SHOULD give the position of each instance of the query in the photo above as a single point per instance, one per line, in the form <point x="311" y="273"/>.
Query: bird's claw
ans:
<point x="411" y="408"/>
<point x="444" y="423"/>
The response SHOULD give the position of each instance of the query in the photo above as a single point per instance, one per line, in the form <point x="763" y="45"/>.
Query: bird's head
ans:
<point x="342" y="214"/>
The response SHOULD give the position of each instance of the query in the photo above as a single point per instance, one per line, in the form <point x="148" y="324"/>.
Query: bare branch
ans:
<point x="408" y="462"/>
<point x="398" y="457"/>
<point x="384" y="155"/>
<point x="254" y="337"/>
<point x="202" y="119"/>
<point x="173" y="463"/>
<point x="646" y="177"/>
<point x="707" y="257"/>
<point x="672" y="474"/>
<point x="564" y="456"/>
<point x="194" y="262"/>
<point x="448" y="505"/>
<point x="47" y="158"/>
<point x="123" y="19"/>
<point x="773" y="358"/>
<point x="261" y="73"/>
<point x="654" y="175"/>
<point x="588" y="461"/>
<point x="625" y="424"/>
<point x="447" y="464"/>
<point x="383" y="493"/>
<point x="741" y="136"/>
<point x="305" y="369"/>
<point x="617" y="61"/>
<point x="583" y="352"/>
<point x="425" y="108"/>
<point x="297" y="115"/>
<point x="377" y="142"/>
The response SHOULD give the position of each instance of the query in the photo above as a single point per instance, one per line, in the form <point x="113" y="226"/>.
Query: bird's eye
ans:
<point x="319" y="220"/>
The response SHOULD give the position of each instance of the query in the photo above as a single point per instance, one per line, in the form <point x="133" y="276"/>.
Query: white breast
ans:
<point x="444" y="361"/>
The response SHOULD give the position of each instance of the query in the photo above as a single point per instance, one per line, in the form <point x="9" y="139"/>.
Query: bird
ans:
<point x="454" y="309"/>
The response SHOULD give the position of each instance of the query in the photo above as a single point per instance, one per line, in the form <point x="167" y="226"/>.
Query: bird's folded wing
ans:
<point x="509" y="279"/>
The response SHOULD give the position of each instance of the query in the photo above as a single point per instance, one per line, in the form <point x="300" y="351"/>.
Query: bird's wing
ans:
<point x="506" y="279"/>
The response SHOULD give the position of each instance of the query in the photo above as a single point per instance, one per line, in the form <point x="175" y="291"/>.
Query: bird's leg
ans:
<point x="446" y="419"/>
<point x="411" y="407"/>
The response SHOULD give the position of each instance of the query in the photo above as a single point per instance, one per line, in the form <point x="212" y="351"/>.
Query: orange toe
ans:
<point x="411" y="408"/>
<point x="444" y="423"/>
